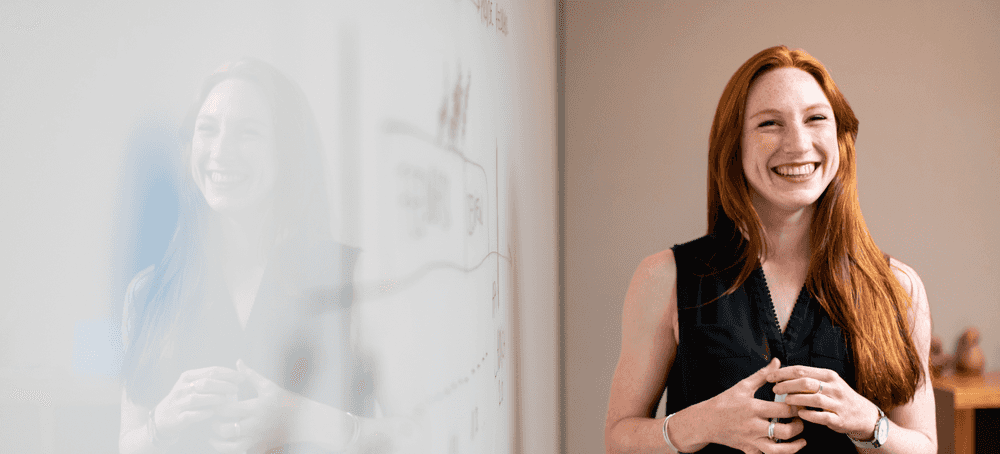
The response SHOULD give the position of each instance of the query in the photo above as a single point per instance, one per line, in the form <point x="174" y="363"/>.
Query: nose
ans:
<point x="797" y="139"/>
<point x="225" y="146"/>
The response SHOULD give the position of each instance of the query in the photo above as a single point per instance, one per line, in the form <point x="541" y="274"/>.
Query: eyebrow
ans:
<point x="808" y="108"/>
<point x="241" y="121"/>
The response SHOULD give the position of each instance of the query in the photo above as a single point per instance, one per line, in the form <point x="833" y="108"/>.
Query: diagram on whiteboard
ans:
<point x="435" y="284"/>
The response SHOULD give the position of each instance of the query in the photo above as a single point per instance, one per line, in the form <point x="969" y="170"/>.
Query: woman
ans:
<point x="785" y="329"/>
<point x="239" y="338"/>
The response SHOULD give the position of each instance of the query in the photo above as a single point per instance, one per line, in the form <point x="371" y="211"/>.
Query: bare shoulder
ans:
<point x="650" y="304"/>
<point x="910" y="281"/>
<point x="653" y="280"/>
<point x="659" y="266"/>
<point x="920" y="312"/>
<point x="905" y="274"/>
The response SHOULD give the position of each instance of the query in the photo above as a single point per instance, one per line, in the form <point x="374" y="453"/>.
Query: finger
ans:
<point x="826" y="418"/>
<point x="759" y="378"/>
<point x="214" y="386"/>
<point x="201" y="401"/>
<point x="241" y="407"/>
<point x="785" y="447"/>
<point x="214" y="372"/>
<point x="257" y="380"/>
<point x="227" y="429"/>
<point x="194" y="416"/>
<point x="237" y="445"/>
<point x="807" y="385"/>
<point x="809" y="400"/>
<point x="785" y="431"/>
<point x="793" y="372"/>
<point x="768" y="410"/>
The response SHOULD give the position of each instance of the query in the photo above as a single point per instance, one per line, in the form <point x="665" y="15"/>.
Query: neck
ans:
<point x="243" y="238"/>
<point x="787" y="233"/>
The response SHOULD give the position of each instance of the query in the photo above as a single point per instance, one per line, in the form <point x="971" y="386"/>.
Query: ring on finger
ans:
<point x="237" y="426"/>
<point x="820" y="388"/>
<point x="770" y="430"/>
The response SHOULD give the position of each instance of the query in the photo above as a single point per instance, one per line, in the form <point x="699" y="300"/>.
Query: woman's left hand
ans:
<point x="843" y="409"/>
<point x="266" y="418"/>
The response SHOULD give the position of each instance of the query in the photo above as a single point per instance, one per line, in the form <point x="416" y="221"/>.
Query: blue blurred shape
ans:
<point x="97" y="347"/>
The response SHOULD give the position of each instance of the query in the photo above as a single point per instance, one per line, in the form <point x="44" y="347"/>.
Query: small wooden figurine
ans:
<point x="969" y="358"/>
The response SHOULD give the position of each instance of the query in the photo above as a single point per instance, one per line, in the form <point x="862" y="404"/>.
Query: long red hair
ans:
<point x="848" y="273"/>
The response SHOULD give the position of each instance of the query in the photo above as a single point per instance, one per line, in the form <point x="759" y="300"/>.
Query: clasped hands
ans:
<point x="816" y="395"/>
<point x="206" y="400"/>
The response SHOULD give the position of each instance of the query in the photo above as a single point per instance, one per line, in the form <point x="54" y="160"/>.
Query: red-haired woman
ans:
<point x="785" y="329"/>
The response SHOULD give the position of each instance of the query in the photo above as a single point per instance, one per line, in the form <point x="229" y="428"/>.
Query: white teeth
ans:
<point x="225" y="177"/>
<point x="795" y="170"/>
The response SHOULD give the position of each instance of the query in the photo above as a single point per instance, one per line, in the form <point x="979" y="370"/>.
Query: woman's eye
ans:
<point x="205" y="128"/>
<point x="818" y="117"/>
<point x="766" y="123"/>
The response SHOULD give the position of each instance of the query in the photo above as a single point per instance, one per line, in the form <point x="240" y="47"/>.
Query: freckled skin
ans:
<point x="788" y="121"/>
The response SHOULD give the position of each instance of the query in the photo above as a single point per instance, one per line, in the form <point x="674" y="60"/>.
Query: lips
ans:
<point x="796" y="170"/>
<point x="226" y="178"/>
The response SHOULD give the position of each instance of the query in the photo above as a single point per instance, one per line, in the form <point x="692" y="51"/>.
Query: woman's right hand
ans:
<point x="195" y="397"/>
<point x="741" y="420"/>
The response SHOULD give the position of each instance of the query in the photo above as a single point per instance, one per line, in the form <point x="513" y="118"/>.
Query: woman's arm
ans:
<point x="134" y="435"/>
<point x="912" y="427"/>
<point x="649" y="345"/>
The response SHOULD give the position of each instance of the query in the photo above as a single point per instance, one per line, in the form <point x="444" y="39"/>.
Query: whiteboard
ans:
<point x="435" y="281"/>
<point x="438" y="123"/>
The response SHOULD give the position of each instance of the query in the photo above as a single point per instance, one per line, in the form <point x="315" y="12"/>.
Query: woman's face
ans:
<point x="789" y="141"/>
<point x="233" y="149"/>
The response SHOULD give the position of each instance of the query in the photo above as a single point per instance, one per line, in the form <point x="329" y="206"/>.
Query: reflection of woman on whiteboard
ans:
<point x="784" y="329"/>
<point x="239" y="338"/>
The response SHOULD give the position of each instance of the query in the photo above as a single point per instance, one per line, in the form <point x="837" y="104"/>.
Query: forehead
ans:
<point x="784" y="89"/>
<point x="237" y="99"/>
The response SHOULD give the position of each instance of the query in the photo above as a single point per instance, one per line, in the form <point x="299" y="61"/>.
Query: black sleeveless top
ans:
<point x="297" y="335"/>
<point x="724" y="339"/>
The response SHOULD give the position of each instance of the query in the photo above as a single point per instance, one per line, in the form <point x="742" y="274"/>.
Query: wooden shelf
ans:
<point x="956" y="399"/>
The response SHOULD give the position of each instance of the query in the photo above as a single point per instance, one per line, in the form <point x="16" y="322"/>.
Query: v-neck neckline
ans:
<point x="254" y="302"/>
<point x="230" y="299"/>
<point x="801" y="300"/>
<point x="228" y="303"/>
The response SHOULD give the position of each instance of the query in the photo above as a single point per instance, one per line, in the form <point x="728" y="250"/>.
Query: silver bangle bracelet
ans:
<point x="356" y="432"/>
<point x="666" y="438"/>
<point x="154" y="436"/>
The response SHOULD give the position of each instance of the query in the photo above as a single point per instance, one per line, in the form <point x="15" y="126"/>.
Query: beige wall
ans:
<point x="642" y="81"/>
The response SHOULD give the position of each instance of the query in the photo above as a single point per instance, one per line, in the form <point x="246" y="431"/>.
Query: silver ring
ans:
<point x="770" y="430"/>
<point x="820" y="388"/>
<point x="237" y="425"/>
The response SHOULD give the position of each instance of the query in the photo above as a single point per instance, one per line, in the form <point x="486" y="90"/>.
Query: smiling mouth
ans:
<point x="796" y="171"/>
<point x="226" y="178"/>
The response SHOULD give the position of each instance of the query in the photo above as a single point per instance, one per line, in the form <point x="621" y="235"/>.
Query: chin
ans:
<point x="221" y="204"/>
<point x="791" y="205"/>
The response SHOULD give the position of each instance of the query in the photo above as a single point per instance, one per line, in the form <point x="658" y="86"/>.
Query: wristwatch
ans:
<point x="881" y="433"/>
